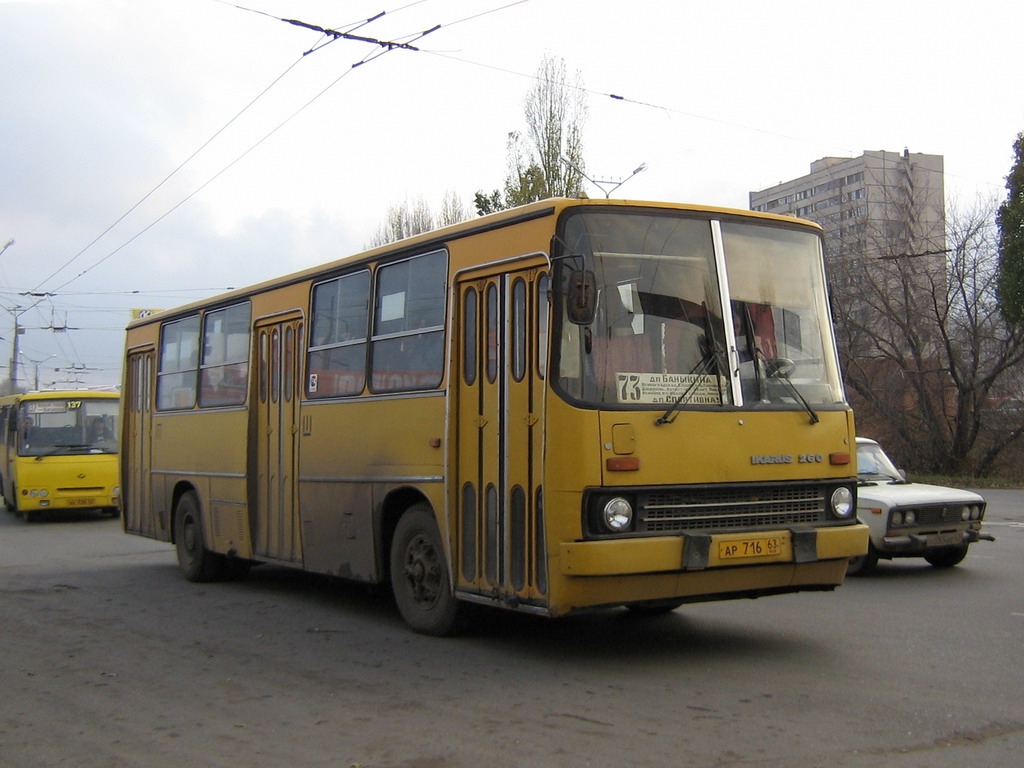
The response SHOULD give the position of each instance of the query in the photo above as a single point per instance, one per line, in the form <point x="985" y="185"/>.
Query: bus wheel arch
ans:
<point x="419" y="574"/>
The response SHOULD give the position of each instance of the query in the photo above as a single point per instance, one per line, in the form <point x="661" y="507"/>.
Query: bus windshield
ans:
<point x="642" y="322"/>
<point x="67" y="426"/>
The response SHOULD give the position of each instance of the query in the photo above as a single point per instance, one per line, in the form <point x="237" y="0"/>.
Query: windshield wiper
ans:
<point x="710" y="360"/>
<point x="61" y="449"/>
<point x="779" y="368"/>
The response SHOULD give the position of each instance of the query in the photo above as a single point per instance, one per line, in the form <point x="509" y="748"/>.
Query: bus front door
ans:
<point x="273" y="511"/>
<point x="498" y="543"/>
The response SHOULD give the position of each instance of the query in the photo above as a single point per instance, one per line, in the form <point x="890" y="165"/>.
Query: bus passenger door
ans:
<point x="136" y="446"/>
<point x="273" y="483"/>
<point x="498" y="528"/>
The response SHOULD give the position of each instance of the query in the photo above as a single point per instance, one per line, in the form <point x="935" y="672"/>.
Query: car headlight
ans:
<point x="617" y="514"/>
<point x="842" y="502"/>
<point x="967" y="513"/>
<point x="896" y="518"/>
<point x="909" y="517"/>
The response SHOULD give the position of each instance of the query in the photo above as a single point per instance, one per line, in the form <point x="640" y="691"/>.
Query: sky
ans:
<point x="156" y="152"/>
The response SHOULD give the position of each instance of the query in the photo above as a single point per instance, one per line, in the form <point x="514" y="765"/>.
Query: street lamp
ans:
<point x="600" y="184"/>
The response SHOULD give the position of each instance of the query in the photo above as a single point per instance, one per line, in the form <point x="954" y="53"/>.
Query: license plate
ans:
<point x="945" y="539"/>
<point x="81" y="502"/>
<point x="764" y="546"/>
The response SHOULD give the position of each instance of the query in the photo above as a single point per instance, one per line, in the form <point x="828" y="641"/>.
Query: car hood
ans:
<point x="906" y="494"/>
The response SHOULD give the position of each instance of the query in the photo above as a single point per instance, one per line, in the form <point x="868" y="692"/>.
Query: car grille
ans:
<point x="939" y="514"/>
<point x="688" y="509"/>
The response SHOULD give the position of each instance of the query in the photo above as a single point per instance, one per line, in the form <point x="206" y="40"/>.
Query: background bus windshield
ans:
<point x="67" y="426"/>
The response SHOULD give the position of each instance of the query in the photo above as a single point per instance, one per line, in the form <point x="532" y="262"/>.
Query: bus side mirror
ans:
<point x="582" y="297"/>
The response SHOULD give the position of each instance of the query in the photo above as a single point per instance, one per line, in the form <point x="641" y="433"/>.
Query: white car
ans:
<point x="908" y="519"/>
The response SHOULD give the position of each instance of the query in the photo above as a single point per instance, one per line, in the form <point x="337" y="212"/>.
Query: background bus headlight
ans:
<point x="617" y="514"/>
<point x="842" y="502"/>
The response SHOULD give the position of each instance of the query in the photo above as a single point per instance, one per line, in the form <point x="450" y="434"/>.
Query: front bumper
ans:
<point x="697" y="552"/>
<point x="921" y="542"/>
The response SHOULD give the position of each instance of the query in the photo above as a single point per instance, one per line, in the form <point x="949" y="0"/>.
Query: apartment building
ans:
<point x="880" y="204"/>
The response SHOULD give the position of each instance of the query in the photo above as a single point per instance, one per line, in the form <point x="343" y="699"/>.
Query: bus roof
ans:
<point x="44" y="394"/>
<point x="540" y="209"/>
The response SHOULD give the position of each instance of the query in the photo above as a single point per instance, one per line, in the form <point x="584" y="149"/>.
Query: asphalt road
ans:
<point x="110" y="658"/>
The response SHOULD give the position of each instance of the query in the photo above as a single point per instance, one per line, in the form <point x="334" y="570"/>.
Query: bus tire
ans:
<point x="195" y="560"/>
<point x="419" y="575"/>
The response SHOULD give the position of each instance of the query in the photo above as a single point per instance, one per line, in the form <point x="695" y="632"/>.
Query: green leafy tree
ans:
<point x="1010" y="221"/>
<point x="546" y="160"/>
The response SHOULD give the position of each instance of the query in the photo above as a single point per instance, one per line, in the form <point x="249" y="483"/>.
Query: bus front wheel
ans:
<point x="196" y="561"/>
<point x="419" y="574"/>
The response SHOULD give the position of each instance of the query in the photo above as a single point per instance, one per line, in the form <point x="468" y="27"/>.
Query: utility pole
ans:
<point x="15" y="350"/>
<point x="18" y="330"/>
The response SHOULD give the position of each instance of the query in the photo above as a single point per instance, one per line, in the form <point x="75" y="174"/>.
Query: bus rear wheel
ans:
<point x="196" y="561"/>
<point x="419" y="575"/>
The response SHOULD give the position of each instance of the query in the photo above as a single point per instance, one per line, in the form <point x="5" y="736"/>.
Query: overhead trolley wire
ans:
<point x="387" y="45"/>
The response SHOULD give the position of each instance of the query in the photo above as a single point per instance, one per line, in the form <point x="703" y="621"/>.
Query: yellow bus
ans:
<point x="59" y="452"/>
<point x="567" y="405"/>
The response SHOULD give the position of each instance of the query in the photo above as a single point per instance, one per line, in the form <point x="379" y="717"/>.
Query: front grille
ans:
<point x="710" y="508"/>
<point x="938" y="514"/>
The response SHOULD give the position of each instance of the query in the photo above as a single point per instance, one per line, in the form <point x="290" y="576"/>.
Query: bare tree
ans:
<point x="452" y="210"/>
<point x="932" y="366"/>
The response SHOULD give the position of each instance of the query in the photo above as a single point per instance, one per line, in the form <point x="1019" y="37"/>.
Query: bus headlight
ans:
<point x="842" y="502"/>
<point x="116" y="491"/>
<point x="617" y="514"/>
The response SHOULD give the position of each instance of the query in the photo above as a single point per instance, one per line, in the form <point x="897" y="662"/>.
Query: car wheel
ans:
<point x="864" y="564"/>
<point x="947" y="557"/>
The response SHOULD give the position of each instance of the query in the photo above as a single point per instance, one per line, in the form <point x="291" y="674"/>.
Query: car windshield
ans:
<point x="874" y="465"/>
<point x="65" y="426"/>
<point x="645" y="318"/>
